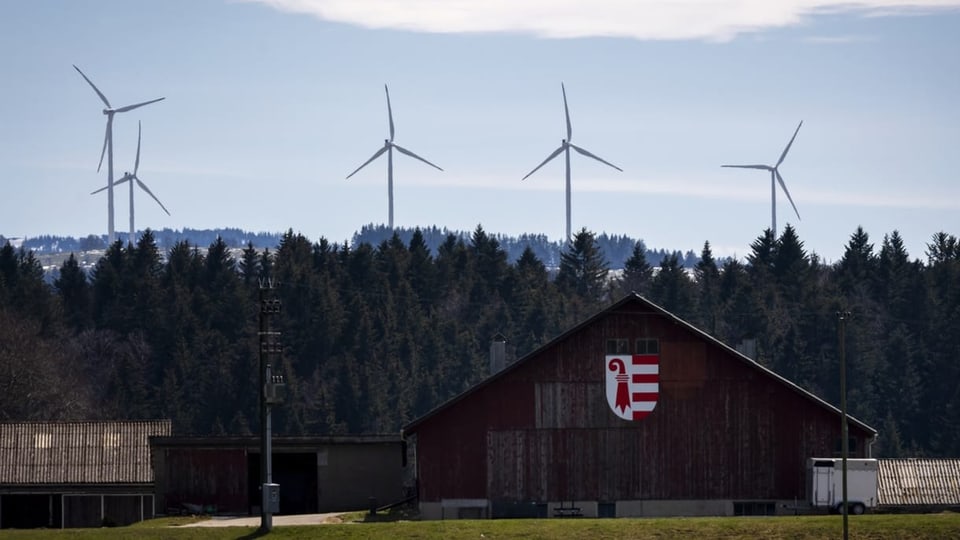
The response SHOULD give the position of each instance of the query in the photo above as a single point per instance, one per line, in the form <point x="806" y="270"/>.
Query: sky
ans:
<point x="270" y="104"/>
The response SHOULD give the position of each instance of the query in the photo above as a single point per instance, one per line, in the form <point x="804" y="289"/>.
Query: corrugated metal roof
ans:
<point x="925" y="482"/>
<point x="630" y="298"/>
<point x="36" y="453"/>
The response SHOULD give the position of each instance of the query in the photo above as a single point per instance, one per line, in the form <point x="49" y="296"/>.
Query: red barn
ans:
<point x="632" y="413"/>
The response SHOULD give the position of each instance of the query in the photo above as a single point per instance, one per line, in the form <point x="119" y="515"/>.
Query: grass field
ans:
<point x="899" y="526"/>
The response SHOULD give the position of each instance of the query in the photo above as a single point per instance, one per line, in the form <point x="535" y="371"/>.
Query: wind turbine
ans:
<point x="131" y="177"/>
<point x="388" y="146"/>
<point x="108" y="146"/>
<point x="565" y="146"/>
<point x="774" y="178"/>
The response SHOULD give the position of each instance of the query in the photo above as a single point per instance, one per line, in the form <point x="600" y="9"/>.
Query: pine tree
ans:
<point x="637" y="272"/>
<point x="421" y="269"/>
<point x="736" y="319"/>
<point x="857" y="268"/>
<point x="74" y="292"/>
<point x="707" y="277"/>
<point x="249" y="266"/>
<point x="672" y="289"/>
<point x="583" y="270"/>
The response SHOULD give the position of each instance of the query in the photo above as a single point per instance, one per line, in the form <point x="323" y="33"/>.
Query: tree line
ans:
<point x="375" y="335"/>
<point x="616" y="248"/>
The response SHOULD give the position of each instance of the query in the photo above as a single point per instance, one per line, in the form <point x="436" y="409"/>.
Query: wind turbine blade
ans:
<point x="551" y="156"/>
<point x="134" y="106"/>
<point x="787" y="149"/>
<point x="367" y="162"/>
<point x="95" y="89"/>
<point x="403" y="150"/>
<point x="389" y="111"/>
<point x="145" y="188"/>
<point x="588" y="154"/>
<point x="761" y="167"/>
<point x="785" y="190"/>
<point x="136" y="164"/>
<point x="115" y="183"/>
<point x="566" y="111"/>
<point x="106" y="137"/>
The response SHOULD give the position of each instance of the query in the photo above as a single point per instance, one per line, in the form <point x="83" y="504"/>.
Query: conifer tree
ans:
<point x="637" y="272"/>
<point x="707" y="277"/>
<point x="672" y="289"/>
<point x="583" y="270"/>
<point x="74" y="292"/>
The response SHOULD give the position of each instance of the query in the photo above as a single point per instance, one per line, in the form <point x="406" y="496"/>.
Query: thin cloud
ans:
<point x="717" y="20"/>
<point x="834" y="40"/>
<point x="695" y="187"/>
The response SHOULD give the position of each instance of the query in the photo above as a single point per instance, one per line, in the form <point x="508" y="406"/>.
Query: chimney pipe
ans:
<point x="498" y="353"/>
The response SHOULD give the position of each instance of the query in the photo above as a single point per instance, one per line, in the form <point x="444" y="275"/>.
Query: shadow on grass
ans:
<point x="259" y="533"/>
<point x="406" y="512"/>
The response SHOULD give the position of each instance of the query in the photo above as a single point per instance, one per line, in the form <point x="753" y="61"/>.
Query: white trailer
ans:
<point x="825" y="484"/>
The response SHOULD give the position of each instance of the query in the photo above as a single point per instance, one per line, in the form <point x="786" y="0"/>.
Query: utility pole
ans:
<point x="844" y="439"/>
<point x="271" y="388"/>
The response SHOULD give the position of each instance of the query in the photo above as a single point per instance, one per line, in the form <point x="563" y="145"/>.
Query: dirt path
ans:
<point x="254" y="521"/>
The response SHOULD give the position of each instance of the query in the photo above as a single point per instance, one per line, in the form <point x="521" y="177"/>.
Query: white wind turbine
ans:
<point x="388" y="146"/>
<point x="565" y="146"/>
<point x="774" y="178"/>
<point x="131" y="177"/>
<point x="108" y="147"/>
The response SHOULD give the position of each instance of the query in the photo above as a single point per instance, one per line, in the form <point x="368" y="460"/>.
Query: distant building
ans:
<point x="634" y="412"/>
<point x="83" y="474"/>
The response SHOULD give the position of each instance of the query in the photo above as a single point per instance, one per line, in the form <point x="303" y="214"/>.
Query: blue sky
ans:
<point x="270" y="104"/>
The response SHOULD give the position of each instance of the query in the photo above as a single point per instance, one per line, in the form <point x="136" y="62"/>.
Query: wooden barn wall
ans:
<point x="544" y="431"/>
<point x="211" y="476"/>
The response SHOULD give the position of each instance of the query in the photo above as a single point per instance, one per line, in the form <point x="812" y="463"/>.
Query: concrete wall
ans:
<point x="453" y="509"/>
<point x="674" y="508"/>
<point x="348" y="476"/>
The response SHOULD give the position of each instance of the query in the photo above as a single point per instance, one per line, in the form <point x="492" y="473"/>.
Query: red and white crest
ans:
<point x="633" y="384"/>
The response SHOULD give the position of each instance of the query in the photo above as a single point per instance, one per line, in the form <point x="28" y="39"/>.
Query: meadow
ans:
<point x="356" y="526"/>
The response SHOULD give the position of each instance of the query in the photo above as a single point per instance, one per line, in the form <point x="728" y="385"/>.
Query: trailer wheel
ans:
<point x="857" y="509"/>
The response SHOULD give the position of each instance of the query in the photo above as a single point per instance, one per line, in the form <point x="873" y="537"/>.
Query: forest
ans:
<point x="374" y="336"/>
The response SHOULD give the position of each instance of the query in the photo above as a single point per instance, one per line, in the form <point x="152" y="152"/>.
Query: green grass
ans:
<point x="892" y="526"/>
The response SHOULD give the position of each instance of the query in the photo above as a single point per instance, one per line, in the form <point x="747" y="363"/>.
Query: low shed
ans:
<point x="316" y="474"/>
<point x="83" y="474"/>
<point x="919" y="483"/>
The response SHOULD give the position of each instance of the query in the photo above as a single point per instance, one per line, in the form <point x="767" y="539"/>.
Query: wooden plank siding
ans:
<point x="216" y="477"/>
<point x="542" y="430"/>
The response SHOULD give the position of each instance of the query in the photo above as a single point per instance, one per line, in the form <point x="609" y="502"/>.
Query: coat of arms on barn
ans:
<point x="633" y="384"/>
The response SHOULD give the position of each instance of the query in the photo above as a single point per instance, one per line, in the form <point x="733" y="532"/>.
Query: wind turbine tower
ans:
<point x="132" y="177"/>
<point x="774" y="179"/>
<point x="108" y="147"/>
<point x="565" y="146"/>
<point x="388" y="146"/>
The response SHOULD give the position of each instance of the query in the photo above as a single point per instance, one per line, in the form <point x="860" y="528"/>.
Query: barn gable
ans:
<point x="545" y="430"/>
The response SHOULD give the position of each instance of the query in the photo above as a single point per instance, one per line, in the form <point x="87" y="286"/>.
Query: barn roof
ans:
<point x="634" y="298"/>
<point x="38" y="453"/>
<point x="918" y="482"/>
